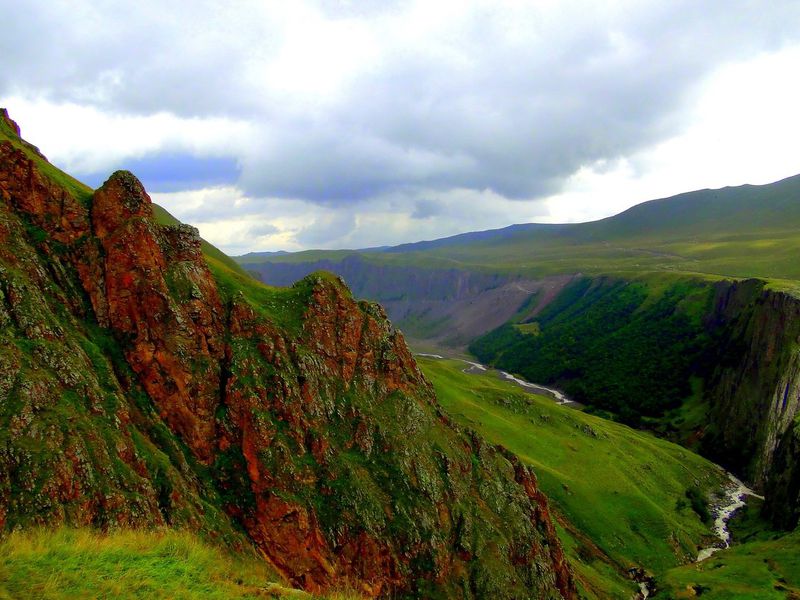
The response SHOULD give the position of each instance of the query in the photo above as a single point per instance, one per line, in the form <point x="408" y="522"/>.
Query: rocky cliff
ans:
<point x="754" y="393"/>
<point x="445" y="306"/>
<point x="143" y="383"/>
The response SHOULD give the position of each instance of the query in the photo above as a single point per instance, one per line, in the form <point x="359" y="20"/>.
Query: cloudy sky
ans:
<point x="293" y="125"/>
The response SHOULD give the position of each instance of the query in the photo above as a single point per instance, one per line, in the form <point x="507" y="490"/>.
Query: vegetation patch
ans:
<point x="760" y="569"/>
<point x="65" y="564"/>
<point x="629" y="347"/>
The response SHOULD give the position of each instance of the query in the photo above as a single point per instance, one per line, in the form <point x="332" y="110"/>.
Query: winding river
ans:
<point x="732" y="500"/>
<point x="733" y="497"/>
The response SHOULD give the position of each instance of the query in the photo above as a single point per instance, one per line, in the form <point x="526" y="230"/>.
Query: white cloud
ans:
<point x="381" y="122"/>
<point x="742" y="129"/>
<point x="85" y="139"/>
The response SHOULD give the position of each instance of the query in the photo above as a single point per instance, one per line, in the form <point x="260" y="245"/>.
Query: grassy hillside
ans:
<point x="626" y="346"/>
<point x="746" y="231"/>
<point x="65" y="564"/>
<point x="761" y="569"/>
<point x="624" y="495"/>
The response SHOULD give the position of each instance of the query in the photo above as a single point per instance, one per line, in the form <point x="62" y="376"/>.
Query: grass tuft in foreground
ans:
<point x="67" y="563"/>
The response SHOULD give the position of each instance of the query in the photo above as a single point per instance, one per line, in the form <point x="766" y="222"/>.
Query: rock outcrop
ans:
<point x="139" y="386"/>
<point x="444" y="306"/>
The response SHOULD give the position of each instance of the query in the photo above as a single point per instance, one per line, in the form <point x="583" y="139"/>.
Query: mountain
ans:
<point x="680" y="315"/>
<point x="745" y="231"/>
<point x="741" y="232"/>
<point x="707" y="213"/>
<point x="145" y="381"/>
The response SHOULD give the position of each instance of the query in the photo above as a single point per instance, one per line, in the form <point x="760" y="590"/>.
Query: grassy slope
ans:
<point x="66" y="564"/>
<point x="748" y="231"/>
<point x="592" y="338"/>
<point x="760" y="569"/>
<point x="623" y="489"/>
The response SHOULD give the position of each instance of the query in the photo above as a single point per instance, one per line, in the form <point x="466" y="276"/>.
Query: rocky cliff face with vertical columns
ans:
<point x="754" y="393"/>
<point x="143" y="384"/>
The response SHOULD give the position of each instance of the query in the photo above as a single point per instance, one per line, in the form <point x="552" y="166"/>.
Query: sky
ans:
<point x="344" y="124"/>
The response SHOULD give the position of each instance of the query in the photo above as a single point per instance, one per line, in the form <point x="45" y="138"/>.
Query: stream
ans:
<point x="557" y="395"/>
<point x="733" y="500"/>
<point x="474" y="367"/>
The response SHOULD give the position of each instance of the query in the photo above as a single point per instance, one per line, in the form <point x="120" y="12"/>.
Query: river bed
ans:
<point x="732" y="500"/>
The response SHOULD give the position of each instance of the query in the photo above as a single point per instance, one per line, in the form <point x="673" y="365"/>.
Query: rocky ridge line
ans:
<point x="298" y="415"/>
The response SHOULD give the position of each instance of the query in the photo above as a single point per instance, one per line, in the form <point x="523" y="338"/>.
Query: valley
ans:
<point x="679" y="317"/>
<point x="160" y="402"/>
<point x="340" y="300"/>
<point x="581" y="461"/>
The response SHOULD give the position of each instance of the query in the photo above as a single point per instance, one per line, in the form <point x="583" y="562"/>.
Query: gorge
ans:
<point x="148" y="381"/>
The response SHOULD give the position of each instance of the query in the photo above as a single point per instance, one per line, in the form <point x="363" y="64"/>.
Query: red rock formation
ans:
<point x="174" y="346"/>
<point x="48" y="205"/>
<point x="316" y="428"/>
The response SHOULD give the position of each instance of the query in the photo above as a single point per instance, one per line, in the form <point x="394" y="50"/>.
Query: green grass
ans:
<point x="67" y="563"/>
<point x="528" y="328"/>
<point x="621" y="492"/>
<point x="760" y="569"/>
<point x="284" y="306"/>
<point x="83" y="563"/>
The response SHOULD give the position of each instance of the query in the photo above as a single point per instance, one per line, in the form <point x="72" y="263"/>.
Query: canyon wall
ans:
<point x="754" y="393"/>
<point x="446" y="307"/>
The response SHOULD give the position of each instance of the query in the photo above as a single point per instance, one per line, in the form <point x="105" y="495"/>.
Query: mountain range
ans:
<point x="178" y="423"/>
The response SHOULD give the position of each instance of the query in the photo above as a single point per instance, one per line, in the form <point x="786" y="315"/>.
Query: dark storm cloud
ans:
<point x="512" y="100"/>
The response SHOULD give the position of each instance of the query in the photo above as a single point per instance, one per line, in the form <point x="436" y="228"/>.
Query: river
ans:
<point x="535" y="388"/>
<point x="732" y="500"/>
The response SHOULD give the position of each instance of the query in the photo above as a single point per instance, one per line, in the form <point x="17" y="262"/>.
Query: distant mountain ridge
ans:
<point x="744" y="231"/>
